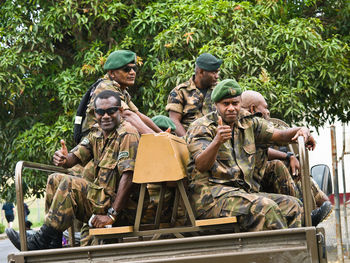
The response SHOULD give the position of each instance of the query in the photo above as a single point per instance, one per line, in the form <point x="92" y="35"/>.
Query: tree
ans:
<point x="52" y="51"/>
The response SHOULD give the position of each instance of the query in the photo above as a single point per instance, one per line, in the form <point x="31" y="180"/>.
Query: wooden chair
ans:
<point x="162" y="158"/>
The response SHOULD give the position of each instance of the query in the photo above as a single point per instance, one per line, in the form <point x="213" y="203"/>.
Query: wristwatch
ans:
<point x="112" y="213"/>
<point x="289" y="154"/>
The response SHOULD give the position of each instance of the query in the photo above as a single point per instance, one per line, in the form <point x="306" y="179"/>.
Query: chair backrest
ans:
<point x="160" y="157"/>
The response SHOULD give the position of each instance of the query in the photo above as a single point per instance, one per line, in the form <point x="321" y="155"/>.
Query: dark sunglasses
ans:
<point x="127" y="69"/>
<point x="109" y="111"/>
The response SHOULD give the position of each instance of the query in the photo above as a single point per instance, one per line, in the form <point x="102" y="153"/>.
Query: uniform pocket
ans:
<point x="99" y="200"/>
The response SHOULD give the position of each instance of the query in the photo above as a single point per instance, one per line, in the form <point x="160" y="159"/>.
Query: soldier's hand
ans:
<point x="223" y="132"/>
<point x="101" y="221"/>
<point x="294" y="166"/>
<point x="310" y="142"/>
<point x="60" y="156"/>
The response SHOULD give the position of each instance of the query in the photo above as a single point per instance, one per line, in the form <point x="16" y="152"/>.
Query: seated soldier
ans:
<point x="191" y="100"/>
<point x="112" y="197"/>
<point x="121" y="74"/>
<point x="273" y="174"/>
<point x="221" y="167"/>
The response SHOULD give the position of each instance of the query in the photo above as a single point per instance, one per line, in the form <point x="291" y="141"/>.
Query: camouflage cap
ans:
<point x="119" y="58"/>
<point x="163" y="122"/>
<point x="208" y="62"/>
<point x="227" y="88"/>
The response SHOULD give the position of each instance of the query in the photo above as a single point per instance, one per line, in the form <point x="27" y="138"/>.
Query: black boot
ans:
<point x="321" y="213"/>
<point x="47" y="237"/>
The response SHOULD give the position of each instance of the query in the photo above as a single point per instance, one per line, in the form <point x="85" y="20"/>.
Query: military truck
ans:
<point x="212" y="240"/>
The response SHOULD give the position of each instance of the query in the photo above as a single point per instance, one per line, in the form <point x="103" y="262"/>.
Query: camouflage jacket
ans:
<point x="261" y="156"/>
<point x="111" y="156"/>
<point x="189" y="101"/>
<point x="107" y="84"/>
<point x="235" y="162"/>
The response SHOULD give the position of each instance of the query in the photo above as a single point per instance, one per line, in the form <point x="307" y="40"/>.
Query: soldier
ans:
<point x="222" y="164"/>
<point x="273" y="175"/>
<point x="121" y="74"/>
<point x="191" y="100"/>
<point x="112" y="197"/>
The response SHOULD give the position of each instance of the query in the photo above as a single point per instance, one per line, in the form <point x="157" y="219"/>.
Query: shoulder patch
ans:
<point x="123" y="155"/>
<point x="85" y="141"/>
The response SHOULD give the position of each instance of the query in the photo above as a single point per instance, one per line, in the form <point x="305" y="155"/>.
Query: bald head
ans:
<point x="254" y="102"/>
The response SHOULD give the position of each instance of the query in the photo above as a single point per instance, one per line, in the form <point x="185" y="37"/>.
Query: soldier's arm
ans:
<point x="176" y="118"/>
<point x="124" y="190"/>
<point x="279" y="155"/>
<point x="120" y="201"/>
<point x="148" y="122"/>
<point x="63" y="158"/>
<point x="136" y="121"/>
<point x="65" y="161"/>
<point x="206" y="159"/>
<point x="292" y="134"/>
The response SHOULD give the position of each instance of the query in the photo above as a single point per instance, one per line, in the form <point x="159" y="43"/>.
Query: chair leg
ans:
<point x="139" y="207"/>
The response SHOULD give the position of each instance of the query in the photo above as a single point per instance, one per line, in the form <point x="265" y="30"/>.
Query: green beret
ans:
<point x="227" y="88"/>
<point x="119" y="58"/>
<point x="208" y="62"/>
<point x="163" y="122"/>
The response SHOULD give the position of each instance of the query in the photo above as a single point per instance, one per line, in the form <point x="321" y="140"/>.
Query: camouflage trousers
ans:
<point x="277" y="179"/>
<point x="67" y="197"/>
<point x="258" y="211"/>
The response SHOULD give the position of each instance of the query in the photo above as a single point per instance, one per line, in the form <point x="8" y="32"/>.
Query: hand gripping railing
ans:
<point x="305" y="180"/>
<point x="19" y="193"/>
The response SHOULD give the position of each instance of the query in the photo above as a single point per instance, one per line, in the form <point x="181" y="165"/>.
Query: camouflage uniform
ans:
<point x="275" y="177"/>
<point x="107" y="84"/>
<point x="69" y="196"/>
<point x="189" y="101"/>
<point x="229" y="188"/>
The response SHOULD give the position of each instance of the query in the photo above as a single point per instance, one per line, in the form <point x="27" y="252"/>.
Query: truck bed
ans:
<point x="287" y="245"/>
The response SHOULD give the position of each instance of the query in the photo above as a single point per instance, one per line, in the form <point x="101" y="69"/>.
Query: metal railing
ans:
<point x="20" y="198"/>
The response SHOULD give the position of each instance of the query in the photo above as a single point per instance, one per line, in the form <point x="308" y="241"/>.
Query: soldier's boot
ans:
<point x="47" y="237"/>
<point x="321" y="213"/>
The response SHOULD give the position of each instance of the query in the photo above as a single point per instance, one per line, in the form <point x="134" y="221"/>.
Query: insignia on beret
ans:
<point x="123" y="155"/>
<point x="119" y="58"/>
<point x="227" y="88"/>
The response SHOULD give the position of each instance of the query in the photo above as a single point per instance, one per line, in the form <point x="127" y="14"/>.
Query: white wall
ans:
<point x="323" y="151"/>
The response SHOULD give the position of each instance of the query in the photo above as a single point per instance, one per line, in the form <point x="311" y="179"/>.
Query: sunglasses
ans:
<point x="127" y="69"/>
<point x="109" y="111"/>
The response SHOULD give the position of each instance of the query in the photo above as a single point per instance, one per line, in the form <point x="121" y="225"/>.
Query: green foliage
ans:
<point x="2" y="228"/>
<point x="295" y="53"/>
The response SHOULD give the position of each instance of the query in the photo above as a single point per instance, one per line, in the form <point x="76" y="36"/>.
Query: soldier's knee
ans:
<point x="55" y="177"/>
<point x="263" y="205"/>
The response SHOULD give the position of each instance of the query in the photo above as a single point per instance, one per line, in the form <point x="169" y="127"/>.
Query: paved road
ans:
<point x="6" y="248"/>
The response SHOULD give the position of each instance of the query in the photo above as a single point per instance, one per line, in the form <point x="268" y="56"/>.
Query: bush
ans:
<point x="2" y="228"/>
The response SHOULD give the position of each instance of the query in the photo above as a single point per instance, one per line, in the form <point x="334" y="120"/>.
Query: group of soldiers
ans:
<point x="233" y="171"/>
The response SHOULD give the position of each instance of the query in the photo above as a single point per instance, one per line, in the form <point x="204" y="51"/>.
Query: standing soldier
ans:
<point x="112" y="197"/>
<point x="222" y="149"/>
<point x="191" y="100"/>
